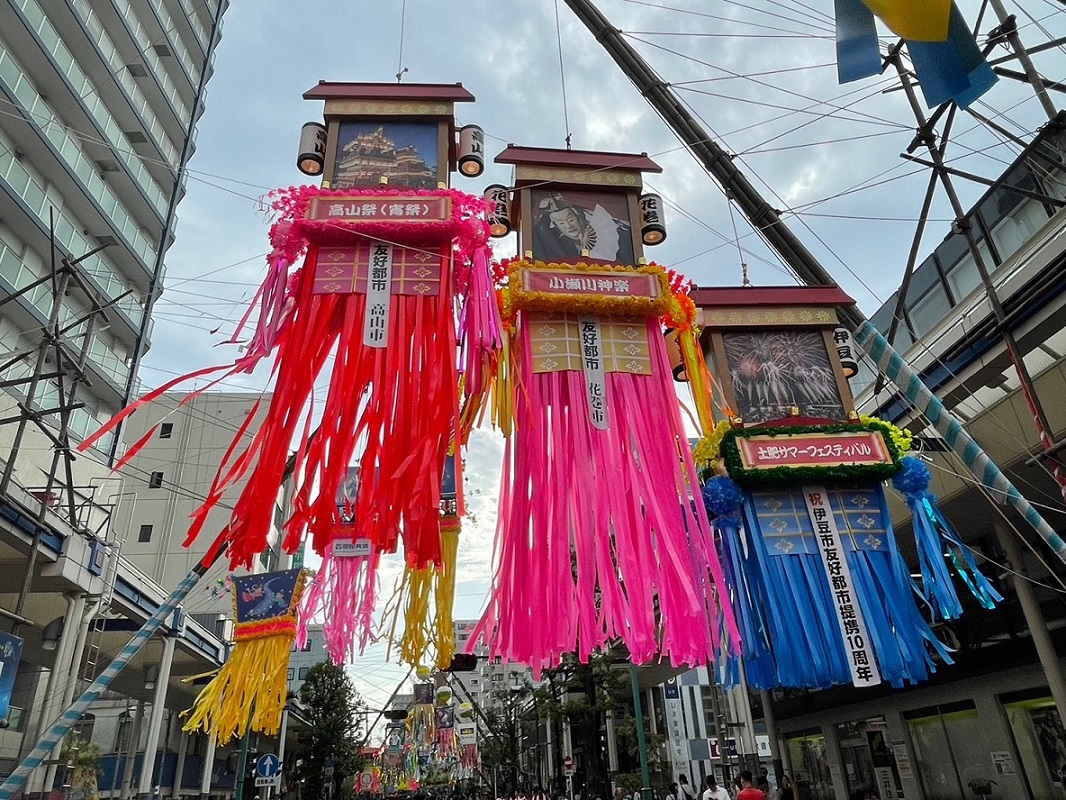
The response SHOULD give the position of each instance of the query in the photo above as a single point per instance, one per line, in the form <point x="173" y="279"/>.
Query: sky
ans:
<point x="759" y="75"/>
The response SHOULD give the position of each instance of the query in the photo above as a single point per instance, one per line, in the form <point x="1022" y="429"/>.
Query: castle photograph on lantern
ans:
<point x="406" y="153"/>
<point x="565" y="223"/>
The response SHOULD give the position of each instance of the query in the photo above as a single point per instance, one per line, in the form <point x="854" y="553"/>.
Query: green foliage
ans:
<point x="332" y="706"/>
<point x="79" y="753"/>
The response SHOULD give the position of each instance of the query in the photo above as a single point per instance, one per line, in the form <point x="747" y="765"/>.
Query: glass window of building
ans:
<point x="1040" y="738"/>
<point x="950" y="750"/>
<point x="810" y="766"/>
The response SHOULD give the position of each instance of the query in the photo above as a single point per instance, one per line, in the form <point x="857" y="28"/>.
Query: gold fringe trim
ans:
<point x="412" y="595"/>
<point x="248" y="692"/>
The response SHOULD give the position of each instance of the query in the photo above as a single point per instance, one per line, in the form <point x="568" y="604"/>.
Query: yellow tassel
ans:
<point x="699" y="379"/>
<point x="413" y="596"/>
<point x="444" y="591"/>
<point x="255" y="679"/>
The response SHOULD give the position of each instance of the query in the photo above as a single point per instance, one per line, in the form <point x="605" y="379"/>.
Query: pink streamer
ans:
<point x="625" y="502"/>
<point x="343" y="595"/>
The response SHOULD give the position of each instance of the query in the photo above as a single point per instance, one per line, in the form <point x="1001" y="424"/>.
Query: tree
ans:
<point x="332" y="707"/>
<point x="583" y="694"/>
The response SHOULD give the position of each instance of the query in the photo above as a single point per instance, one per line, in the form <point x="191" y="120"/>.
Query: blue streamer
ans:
<point x="932" y="534"/>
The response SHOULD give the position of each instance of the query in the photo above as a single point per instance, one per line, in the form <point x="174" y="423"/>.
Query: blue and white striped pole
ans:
<point x="984" y="469"/>
<point x="61" y="726"/>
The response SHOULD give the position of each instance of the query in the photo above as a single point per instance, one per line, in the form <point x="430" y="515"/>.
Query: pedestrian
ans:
<point x="673" y="793"/>
<point x="684" y="791"/>
<point x="713" y="790"/>
<point x="748" y="790"/>
<point x="788" y="791"/>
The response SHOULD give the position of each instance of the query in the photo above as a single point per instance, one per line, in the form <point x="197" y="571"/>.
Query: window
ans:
<point x="497" y="677"/>
<point x="156" y="480"/>
<point x="166" y="430"/>
<point x="307" y="645"/>
<point x="144" y="534"/>
<point x="292" y="673"/>
<point x="303" y="673"/>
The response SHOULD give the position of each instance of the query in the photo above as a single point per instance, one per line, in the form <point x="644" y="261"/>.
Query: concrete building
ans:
<point x="988" y="722"/>
<point x="101" y="102"/>
<point x="303" y="658"/>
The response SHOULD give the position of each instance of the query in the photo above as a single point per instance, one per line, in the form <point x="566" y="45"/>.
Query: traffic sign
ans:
<point x="267" y="766"/>
<point x="274" y="781"/>
<point x="568" y="765"/>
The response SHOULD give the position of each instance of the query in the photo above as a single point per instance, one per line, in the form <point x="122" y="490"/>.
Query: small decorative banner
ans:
<point x="595" y="374"/>
<point x="379" y="208"/>
<point x="376" y="319"/>
<point x="349" y="270"/>
<point x="813" y="450"/>
<point x="557" y="345"/>
<point x="351" y="548"/>
<point x="853" y="630"/>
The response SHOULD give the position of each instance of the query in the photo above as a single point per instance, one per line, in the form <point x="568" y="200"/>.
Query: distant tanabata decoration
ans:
<point x="250" y="689"/>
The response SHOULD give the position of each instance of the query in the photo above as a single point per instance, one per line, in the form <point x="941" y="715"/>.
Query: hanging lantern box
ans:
<point x="777" y="362"/>
<point x="570" y="201"/>
<point x="403" y="132"/>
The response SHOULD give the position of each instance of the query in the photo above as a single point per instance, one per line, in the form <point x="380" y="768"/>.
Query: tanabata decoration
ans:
<point x="820" y="589"/>
<point x="387" y="262"/>
<point x="466" y="731"/>
<point x="421" y="719"/>
<point x="602" y="535"/>
<point x="250" y="689"/>
<point x="947" y="60"/>
<point x="447" y="749"/>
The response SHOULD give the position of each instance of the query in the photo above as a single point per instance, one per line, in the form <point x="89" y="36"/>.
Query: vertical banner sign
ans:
<point x="675" y="726"/>
<point x="861" y="661"/>
<point x="378" y="291"/>
<point x="595" y="374"/>
<point x="10" y="653"/>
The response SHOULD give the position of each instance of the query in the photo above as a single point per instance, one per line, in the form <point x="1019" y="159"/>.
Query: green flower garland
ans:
<point x="843" y="473"/>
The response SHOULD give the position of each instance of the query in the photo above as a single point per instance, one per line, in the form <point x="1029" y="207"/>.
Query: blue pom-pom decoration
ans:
<point x="722" y="496"/>
<point x="913" y="478"/>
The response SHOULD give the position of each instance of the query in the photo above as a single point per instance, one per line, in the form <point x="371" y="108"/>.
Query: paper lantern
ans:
<point x="312" y="155"/>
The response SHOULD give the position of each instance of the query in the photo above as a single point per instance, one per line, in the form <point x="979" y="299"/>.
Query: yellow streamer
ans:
<point x="254" y="678"/>
<point x="444" y="591"/>
<point x="917" y="20"/>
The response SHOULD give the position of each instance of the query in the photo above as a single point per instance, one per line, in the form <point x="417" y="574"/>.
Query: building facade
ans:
<point x="101" y="102"/>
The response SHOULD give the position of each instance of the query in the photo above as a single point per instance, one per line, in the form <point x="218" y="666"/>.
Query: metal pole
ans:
<point x="155" y="721"/>
<point x="281" y="753"/>
<point x="776" y="754"/>
<point x="642" y="745"/>
<point x="709" y="153"/>
<point x="209" y="767"/>
<point x="1009" y="28"/>
<point x="242" y="764"/>
<point x="1034" y="616"/>
<point x="955" y="436"/>
<point x="126" y="790"/>
<point x="1043" y="427"/>
<point x="179" y="770"/>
